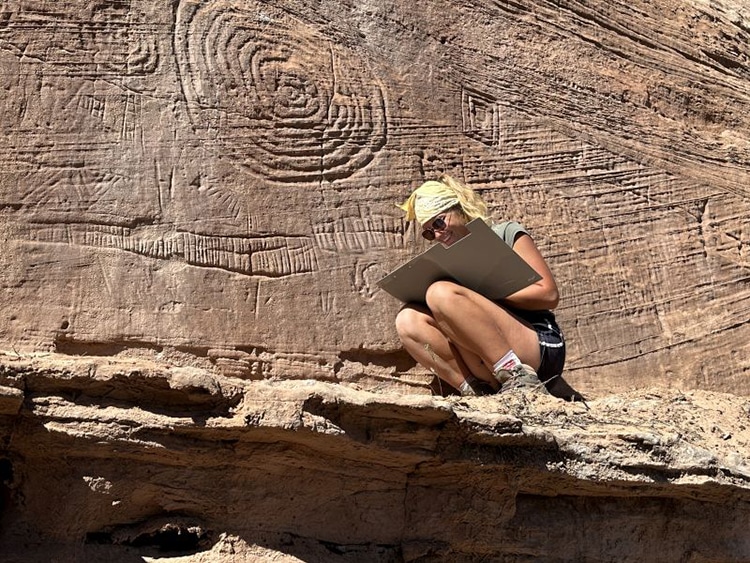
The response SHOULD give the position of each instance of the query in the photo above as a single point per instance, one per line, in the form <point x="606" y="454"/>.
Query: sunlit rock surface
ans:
<point x="196" y="203"/>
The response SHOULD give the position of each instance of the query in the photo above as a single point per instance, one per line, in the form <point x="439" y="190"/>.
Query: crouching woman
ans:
<point x="473" y="344"/>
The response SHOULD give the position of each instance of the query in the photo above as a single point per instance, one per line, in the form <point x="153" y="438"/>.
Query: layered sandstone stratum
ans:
<point x="197" y="199"/>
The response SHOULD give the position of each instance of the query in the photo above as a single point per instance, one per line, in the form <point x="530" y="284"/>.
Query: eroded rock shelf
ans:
<point x="115" y="458"/>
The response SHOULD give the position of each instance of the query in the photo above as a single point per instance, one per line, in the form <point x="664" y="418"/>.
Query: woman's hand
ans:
<point x="542" y="294"/>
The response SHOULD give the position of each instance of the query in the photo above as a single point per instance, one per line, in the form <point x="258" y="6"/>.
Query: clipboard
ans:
<point x="481" y="261"/>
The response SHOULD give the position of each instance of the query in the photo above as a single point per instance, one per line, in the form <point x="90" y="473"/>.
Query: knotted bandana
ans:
<point x="428" y="200"/>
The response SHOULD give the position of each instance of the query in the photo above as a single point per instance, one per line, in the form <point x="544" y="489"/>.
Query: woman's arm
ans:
<point x="542" y="294"/>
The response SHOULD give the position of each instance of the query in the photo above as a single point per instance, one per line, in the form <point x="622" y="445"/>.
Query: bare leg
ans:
<point x="476" y="366"/>
<point x="481" y="326"/>
<point x="424" y="341"/>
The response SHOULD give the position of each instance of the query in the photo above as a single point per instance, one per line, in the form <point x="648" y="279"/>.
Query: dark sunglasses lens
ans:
<point x="429" y="234"/>
<point x="438" y="224"/>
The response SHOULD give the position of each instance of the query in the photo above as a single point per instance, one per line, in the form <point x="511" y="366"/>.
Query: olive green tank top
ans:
<point x="508" y="231"/>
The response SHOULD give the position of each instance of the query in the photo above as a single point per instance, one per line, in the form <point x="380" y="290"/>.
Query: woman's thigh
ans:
<point x="517" y="333"/>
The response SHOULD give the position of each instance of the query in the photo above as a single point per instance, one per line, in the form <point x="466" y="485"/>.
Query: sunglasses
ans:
<point x="437" y="225"/>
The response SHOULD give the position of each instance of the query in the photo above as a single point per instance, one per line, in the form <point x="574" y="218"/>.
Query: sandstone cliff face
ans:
<point x="219" y="176"/>
<point x="196" y="201"/>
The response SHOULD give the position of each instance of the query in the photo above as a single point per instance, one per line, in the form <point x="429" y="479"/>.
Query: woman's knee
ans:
<point x="409" y="322"/>
<point x="441" y="293"/>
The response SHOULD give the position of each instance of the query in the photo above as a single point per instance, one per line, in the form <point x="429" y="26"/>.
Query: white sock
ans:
<point x="507" y="362"/>
<point x="466" y="389"/>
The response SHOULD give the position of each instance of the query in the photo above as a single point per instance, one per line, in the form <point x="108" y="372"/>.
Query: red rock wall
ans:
<point x="215" y="180"/>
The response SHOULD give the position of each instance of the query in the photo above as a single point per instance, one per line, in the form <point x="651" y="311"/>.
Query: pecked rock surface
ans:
<point x="219" y="176"/>
<point x="130" y="459"/>
<point x="197" y="200"/>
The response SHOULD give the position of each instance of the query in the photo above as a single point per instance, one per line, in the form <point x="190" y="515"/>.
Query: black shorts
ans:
<point x="551" y="342"/>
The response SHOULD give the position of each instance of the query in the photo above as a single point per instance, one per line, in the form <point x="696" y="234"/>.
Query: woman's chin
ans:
<point x="450" y="239"/>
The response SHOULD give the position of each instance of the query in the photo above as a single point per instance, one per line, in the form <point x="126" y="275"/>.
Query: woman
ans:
<point x="476" y="345"/>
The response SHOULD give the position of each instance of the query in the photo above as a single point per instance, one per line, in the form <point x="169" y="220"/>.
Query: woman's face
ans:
<point x="446" y="227"/>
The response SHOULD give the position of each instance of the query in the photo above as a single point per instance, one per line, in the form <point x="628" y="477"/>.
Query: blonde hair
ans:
<point x="446" y="192"/>
<point x="472" y="204"/>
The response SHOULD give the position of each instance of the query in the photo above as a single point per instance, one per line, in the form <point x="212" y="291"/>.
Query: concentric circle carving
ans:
<point x="274" y="94"/>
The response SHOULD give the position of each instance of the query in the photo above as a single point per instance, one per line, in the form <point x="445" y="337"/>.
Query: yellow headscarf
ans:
<point x="428" y="200"/>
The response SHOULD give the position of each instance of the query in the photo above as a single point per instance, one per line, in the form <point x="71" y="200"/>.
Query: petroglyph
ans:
<point x="360" y="233"/>
<point x="81" y="193"/>
<point x="259" y="363"/>
<point x="272" y="257"/>
<point x="480" y="117"/>
<point x="277" y="97"/>
<point x="366" y="278"/>
<point x="80" y="38"/>
<point x="240" y="363"/>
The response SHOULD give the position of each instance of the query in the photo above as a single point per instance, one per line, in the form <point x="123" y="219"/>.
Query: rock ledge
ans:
<point x="118" y="457"/>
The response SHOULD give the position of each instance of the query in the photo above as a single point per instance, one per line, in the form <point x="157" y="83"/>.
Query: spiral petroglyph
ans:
<point x="275" y="95"/>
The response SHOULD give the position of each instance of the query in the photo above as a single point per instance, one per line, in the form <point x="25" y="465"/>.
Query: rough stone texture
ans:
<point x="218" y="177"/>
<point x="196" y="200"/>
<point x="184" y="465"/>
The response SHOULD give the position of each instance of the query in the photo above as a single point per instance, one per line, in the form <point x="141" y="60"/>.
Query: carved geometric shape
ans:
<point x="269" y="257"/>
<point x="480" y="117"/>
<point x="276" y="96"/>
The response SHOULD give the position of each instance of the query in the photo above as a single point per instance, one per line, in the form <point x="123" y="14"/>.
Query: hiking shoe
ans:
<point x="466" y="389"/>
<point x="474" y="387"/>
<point x="521" y="377"/>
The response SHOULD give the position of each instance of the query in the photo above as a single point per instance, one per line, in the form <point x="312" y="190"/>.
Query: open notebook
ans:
<point x="480" y="261"/>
